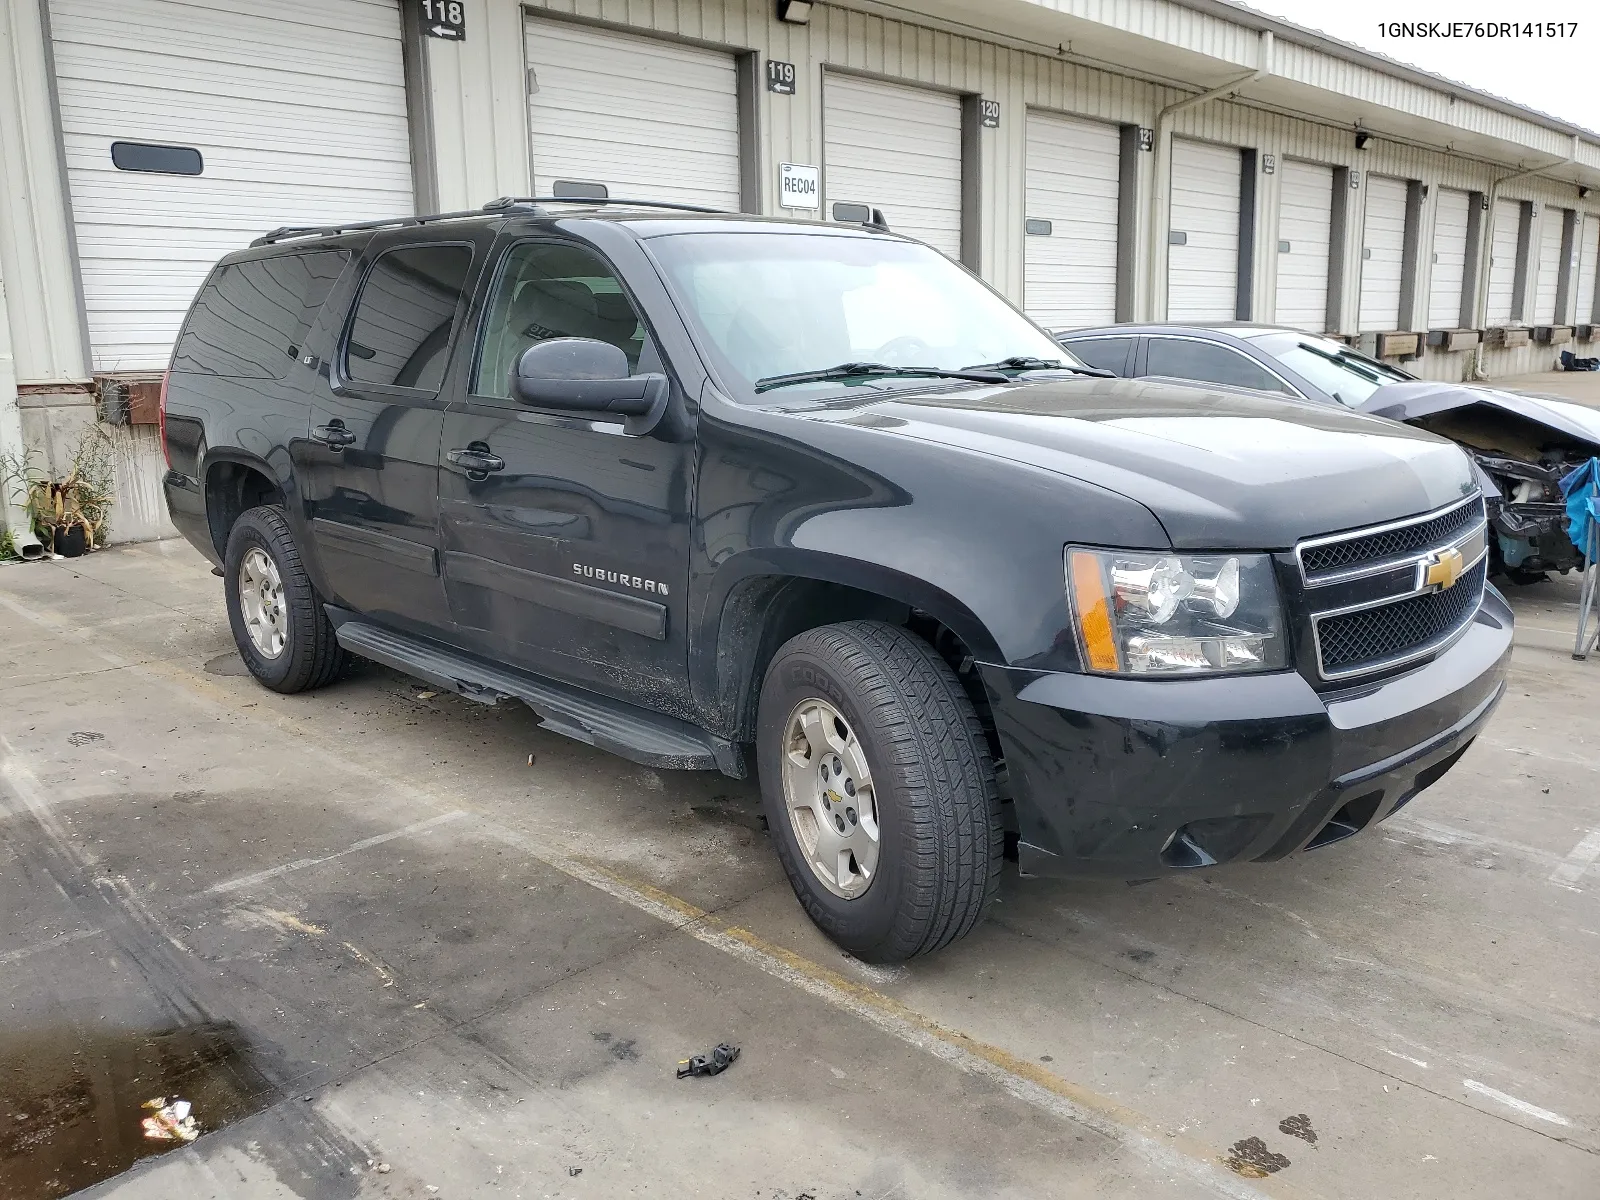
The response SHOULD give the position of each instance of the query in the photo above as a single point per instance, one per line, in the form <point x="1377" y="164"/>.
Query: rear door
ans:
<point x="1209" y="362"/>
<point x="565" y="541"/>
<point x="369" y="465"/>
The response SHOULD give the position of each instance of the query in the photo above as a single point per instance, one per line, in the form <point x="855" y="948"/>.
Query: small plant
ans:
<point x="70" y="514"/>
<point x="8" y="546"/>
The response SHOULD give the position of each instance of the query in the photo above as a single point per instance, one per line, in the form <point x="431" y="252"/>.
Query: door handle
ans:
<point x="334" y="435"/>
<point x="477" y="459"/>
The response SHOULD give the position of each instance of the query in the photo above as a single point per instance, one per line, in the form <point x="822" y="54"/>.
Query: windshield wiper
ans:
<point x="1348" y="362"/>
<point x="1026" y="362"/>
<point x="872" y="370"/>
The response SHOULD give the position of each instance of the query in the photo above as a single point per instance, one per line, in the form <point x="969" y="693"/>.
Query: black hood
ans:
<point x="1219" y="469"/>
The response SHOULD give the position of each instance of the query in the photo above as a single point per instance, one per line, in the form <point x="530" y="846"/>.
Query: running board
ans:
<point x="636" y="734"/>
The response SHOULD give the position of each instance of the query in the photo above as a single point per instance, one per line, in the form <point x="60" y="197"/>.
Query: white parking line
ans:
<point x="1511" y="1102"/>
<point x="299" y="864"/>
<point x="77" y="935"/>
<point x="1583" y="856"/>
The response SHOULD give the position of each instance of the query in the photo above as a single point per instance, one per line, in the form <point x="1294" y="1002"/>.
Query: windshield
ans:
<point x="1348" y="377"/>
<point x="773" y="304"/>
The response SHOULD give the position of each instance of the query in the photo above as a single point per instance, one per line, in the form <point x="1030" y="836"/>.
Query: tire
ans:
<point x="310" y="656"/>
<point x="940" y="840"/>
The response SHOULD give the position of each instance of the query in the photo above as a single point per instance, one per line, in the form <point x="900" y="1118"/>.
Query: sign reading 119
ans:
<point x="444" y="19"/>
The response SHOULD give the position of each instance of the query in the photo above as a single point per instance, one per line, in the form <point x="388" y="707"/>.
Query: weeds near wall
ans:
<point x="73" y="513"/>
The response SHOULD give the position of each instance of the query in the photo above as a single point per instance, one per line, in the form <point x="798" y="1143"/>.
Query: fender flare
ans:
<point x="729" y="645"/>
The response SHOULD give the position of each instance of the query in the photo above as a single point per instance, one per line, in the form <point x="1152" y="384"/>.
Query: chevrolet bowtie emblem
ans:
<point x="1442" y="568"/>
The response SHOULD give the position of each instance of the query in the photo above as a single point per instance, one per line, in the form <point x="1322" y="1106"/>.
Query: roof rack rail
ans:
<point x="294" y="231"/>
<point x="505" y="202"/>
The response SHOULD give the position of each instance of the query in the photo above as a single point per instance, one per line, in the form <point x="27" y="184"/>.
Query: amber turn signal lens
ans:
<point x="1092" y="607"/>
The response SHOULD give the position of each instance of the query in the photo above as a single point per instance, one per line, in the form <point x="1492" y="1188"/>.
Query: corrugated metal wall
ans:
<point x="483" y="140"/>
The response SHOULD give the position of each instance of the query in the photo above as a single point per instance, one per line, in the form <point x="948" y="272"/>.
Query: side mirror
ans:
<point x="584" y="375"/>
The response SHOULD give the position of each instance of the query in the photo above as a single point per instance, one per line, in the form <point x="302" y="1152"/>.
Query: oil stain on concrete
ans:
<point x="72" y="1101"/>
<point x="1299" y="1126"/>
<point x="1251" y="1158"/>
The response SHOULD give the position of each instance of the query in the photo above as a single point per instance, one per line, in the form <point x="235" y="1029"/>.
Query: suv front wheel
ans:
<point x="279" y="625"/>
<point x="879" y="789"/>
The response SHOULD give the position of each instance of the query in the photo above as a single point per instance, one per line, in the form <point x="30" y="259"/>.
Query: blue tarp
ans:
<point x="1581" y="487"/>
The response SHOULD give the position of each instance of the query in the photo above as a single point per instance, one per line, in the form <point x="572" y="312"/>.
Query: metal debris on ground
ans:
<point x="719" y="1060"/>
<point x="574" y="1171"/>
<point x="426" y="695"/>
<point x="170" y="1121"/>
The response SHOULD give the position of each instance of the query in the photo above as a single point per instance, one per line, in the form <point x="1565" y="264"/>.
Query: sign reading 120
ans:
<point x="444" y="19"/>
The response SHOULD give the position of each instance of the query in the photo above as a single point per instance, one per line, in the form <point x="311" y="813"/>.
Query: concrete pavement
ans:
<point x="369" y="932"/>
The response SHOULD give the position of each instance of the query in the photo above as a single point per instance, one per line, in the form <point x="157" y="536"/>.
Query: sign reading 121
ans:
<point x="444" y="19"/>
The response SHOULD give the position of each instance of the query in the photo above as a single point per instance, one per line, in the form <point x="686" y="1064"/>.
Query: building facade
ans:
<point x="1094" y="161"/>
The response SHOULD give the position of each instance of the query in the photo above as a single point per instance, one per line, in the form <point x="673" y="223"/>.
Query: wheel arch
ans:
<point x="234" y="482"/>
<point x="762" y="599"/>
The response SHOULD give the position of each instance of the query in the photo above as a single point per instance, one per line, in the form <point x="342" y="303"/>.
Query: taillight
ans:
<point x="161" y="421"/>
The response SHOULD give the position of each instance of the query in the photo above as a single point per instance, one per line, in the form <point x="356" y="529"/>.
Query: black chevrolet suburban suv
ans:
<point x="724" y="492"/>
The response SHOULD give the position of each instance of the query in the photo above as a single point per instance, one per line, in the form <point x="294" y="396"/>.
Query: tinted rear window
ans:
<point x="251" y="317"/>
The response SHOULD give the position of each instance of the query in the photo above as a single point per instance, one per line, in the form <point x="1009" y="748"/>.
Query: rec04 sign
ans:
<point x="798" y="186"/>
<point x="444" y="19"/>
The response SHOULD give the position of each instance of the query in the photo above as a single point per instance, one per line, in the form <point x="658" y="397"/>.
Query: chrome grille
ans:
<point x="1394" y="593"/>
<point x="1385" y="543"/>
<point x="1373" y="636"/>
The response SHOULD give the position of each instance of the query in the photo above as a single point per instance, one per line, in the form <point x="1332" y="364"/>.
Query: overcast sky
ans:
<point x="1554" y="75"/>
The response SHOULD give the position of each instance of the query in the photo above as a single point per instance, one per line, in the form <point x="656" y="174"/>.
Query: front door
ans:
<point x="565" y="541"/>
<point x="369" y="468"/>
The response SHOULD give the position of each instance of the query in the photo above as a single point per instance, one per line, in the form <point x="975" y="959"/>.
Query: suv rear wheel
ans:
<point x="879" y="789"/>
<point x="279" y="625"/>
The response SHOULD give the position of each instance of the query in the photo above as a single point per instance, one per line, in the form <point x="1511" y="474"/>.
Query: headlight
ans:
<point x="1144" y="613"/>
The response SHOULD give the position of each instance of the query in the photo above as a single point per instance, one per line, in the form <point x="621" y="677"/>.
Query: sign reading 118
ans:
<point x="444" y="19"/>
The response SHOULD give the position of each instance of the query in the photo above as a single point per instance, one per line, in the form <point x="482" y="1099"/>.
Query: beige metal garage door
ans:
<point x="1551" y="222"/>
<point x="1503" y="261"/>
<point x="1449" y="259"/>
<point x="1305" y="227"/>
<point x="896" y="148"/>
<point x="649" y="118"/>
<point x="298" y="110"/>
<point x="1070" y="243"/>
<point x="1588" y="267"/>
<point x="1203" y="245"/>
<point x="1383" y="235"/>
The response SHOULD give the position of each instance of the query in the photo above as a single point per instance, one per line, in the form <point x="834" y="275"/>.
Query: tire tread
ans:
<point x="315" y="657"/>
<point x="941" y="771"/>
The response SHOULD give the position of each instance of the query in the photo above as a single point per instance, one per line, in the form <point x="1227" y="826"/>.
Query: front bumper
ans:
<point x="1131" y="779"/>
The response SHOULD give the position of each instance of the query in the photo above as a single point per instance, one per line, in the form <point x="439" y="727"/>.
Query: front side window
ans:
<point x="772" y="304"/>
<point x="251" y="317"/>
<point x="1186" y="359"/>
<point x="1348" y="377"/>
<point x="400" y="336"/>
<point x="549" y="290"/>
